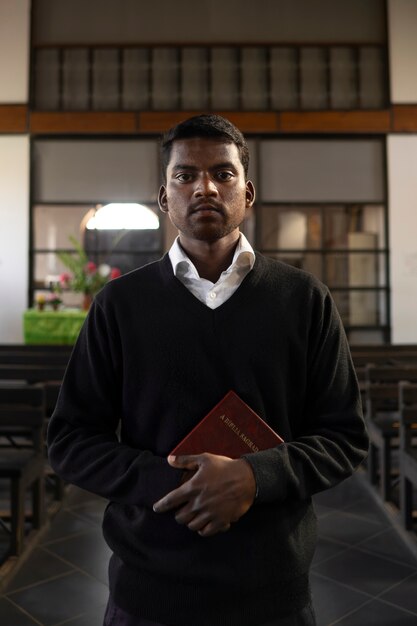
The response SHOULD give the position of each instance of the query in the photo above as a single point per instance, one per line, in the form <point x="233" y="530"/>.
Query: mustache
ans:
<point x="206" y="204"/>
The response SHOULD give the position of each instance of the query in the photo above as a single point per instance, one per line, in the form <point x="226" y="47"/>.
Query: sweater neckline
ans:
<point x="181" y="291"/>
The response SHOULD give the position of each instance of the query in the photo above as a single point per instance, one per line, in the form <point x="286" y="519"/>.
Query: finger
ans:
<point x="189" y="462"/>
<point x="199" y="522"/>
<point x="213" y="528"/>
<point x="173" y="499"/>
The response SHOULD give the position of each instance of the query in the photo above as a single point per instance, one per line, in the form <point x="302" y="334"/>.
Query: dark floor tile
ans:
<point x="363" y="571"/>
<point x="404" y="594"/>
<point x="367" y="508"/>
<point x="332" y="600"/>
<point x="12" y="616"/>
<point x="91" y="511"/>
<point x="76" y="496"/>
<point x="344" y="494"/>
<point x="66" y="597"/>
<point x="388" y="544"/>
<point x="378" y="614"/>
<point x="347" y="528"/>
<point x="322" y="510"/>
<point x="66" y="524"/>
<point x="92" y="618"/>
<point x="40" y="566"/>
<point x="88" y="552"/>
<point x="326" y="549"/>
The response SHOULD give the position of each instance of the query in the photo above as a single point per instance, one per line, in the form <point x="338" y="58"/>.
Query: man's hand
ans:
<point x="219" y="491"/>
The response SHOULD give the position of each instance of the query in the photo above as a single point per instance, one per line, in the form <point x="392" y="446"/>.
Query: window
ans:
<point x="72" y="179"/>
<point x="345" y="247"/>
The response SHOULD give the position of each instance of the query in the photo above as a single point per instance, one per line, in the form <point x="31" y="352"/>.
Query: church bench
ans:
<point x="408" y="452"/>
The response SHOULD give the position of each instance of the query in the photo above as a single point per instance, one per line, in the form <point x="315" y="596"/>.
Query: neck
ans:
<point x="211" y="258"/>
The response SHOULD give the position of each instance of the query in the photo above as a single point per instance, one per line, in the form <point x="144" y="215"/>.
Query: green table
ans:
<point x="52" y="327"/>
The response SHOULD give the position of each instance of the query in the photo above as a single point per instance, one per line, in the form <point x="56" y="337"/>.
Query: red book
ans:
<point x="230" y="429"/>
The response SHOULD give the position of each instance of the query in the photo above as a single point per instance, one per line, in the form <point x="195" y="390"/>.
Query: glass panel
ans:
<point x="47" y="80"/>
<point x="360" y="337"/>
<point x="322" y="170"/>
<point x="75" y="94"/>
<point x="372" y="74"/>
<point x="254" y="79"/>
<point x="194" y="78"/>
<point x="95" y="171"/>
<point x="343" y="78"/>
<point x="224" y="78"/>
<point x="283" y="78"/>
<point x="106" y="79"/>
<point x="99" y="242"/>
<point x="359" y="308"/>
<point x="136" y="64"/>
<point x="354" y="226"/>
<point x="357" y="269"/>
<point x="308" y="261"/>
<point x="313" y="78"/>
<point x="129" y="260"/>
<point x="286" y="228"/>
<point x="53" y="225"/>
<point x="165" y="94"/>
<point x="47" y="268"/>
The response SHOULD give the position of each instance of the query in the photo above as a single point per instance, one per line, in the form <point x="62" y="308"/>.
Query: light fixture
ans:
<point x="123" y="216"/>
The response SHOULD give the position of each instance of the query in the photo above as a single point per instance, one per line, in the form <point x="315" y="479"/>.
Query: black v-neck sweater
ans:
<point x="154" y="357"/>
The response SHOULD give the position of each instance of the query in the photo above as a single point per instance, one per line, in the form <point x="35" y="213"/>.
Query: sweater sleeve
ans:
<point x="332" y="439"/>
<point x="82" y="440"/>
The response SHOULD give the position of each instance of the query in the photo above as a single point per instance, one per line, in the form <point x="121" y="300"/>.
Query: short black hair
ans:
<point x="208" y="126"/>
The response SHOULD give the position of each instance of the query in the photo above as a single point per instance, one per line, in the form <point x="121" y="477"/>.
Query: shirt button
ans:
<point x="212" y="295"/>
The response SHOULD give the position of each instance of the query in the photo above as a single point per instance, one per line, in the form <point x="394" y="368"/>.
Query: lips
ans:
<point x="200" y="208"/>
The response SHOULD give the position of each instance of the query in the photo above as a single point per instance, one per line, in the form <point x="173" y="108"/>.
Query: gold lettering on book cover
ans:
<point x="228" y="422"/>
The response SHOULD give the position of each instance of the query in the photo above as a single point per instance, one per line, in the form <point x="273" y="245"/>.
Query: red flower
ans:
<point x="64" y="279"/>
<point x="115" y="273"/>
<point x="91" y="267"/>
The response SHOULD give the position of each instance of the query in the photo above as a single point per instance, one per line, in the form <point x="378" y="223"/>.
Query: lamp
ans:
<point x="123" y="216"/>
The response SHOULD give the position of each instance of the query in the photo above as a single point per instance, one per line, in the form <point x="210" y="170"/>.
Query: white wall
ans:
<point x="402" y="198"/>
<point x="14" y="51"/>
<point x="402" y="20"/>
<point x="14" y="235"/>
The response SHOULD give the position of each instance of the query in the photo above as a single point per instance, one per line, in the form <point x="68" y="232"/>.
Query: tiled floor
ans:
<point x="363" y="573"/>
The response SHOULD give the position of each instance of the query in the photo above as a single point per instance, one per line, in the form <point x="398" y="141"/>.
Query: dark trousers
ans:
<point x="115" y="616"/>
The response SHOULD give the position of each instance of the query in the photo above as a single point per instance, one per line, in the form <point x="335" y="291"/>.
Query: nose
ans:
<point x="205" y="187"/>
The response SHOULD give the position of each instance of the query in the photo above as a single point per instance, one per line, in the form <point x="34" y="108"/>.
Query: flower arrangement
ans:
<point x="40" y="301"/>
<point x="54" y="300"/>
<point x="84" y="276"/>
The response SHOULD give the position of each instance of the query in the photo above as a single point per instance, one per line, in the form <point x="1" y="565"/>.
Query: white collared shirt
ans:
<point x="213" y="294"/>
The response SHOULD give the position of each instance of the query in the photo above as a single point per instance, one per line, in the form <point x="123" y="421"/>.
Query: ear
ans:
<point x="250" y="194"/>
<point x="162" y="199"/>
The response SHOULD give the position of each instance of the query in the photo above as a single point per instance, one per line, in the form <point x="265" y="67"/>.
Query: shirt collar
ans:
<point x="244" y="255"/>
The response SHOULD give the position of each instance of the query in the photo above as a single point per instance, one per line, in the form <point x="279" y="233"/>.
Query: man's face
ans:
<point x="206" y="195"/>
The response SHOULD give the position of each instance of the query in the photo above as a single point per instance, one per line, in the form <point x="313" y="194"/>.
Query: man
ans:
<point x="205" y="540"/>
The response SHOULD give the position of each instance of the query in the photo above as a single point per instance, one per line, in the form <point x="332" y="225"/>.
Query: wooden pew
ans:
<point x="51" y="376"/>
<point x="18" y="357"/>
<point x="408" y="453"/>
<point x="382" y="416"/>
<point x="32" y="373"/>
<point x="23" y="408"/>
<point x="380" y="355"/>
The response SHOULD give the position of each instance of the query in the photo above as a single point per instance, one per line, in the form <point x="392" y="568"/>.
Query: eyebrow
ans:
<point x="193" y="168"/>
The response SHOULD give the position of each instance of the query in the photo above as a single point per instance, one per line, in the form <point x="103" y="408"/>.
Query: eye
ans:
<point x="224" y="175"/>
<point x="184" y="177"/>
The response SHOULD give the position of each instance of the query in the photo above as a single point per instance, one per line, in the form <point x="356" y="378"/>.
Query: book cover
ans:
<point x="230" y="429"/>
